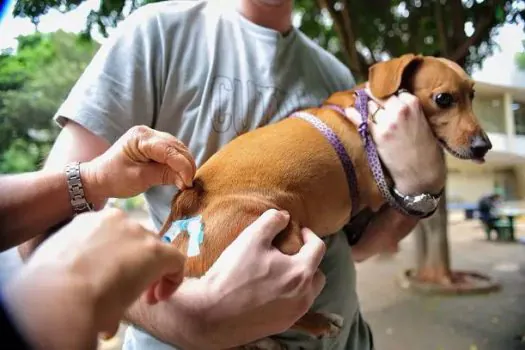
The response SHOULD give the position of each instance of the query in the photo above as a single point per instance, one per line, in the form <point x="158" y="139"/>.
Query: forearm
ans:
<point x="179" y="321"/>
<point x="385" y="230"/>
<point x="31" y="204"/>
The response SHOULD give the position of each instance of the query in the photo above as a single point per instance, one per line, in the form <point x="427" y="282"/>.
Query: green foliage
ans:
<point x="520" y="58"/>
<point x="23" y="156"/>
<point x="360" y="32"/>
<point x="33" y="83"/>
<point x="372" y="30"/>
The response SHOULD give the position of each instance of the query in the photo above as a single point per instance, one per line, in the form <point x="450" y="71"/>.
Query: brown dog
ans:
<point x="290" y="165"/>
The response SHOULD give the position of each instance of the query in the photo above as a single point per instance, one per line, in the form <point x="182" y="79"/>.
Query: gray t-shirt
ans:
<point x="203" y="73"/>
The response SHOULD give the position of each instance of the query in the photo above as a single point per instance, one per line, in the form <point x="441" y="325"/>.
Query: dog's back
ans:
<point x="271" y="167"/>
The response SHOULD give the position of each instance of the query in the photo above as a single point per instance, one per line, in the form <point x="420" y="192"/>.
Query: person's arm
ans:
<point x="33" y="203"/>
<point x="97" y="295"/>
<point x="400" y="125"/>
<point x="384" y="231"/>
<point x="180" y="321"/>
<point x="140" y="159"/>
<point x="252" y="291"/>
<point x="116" y="91"/>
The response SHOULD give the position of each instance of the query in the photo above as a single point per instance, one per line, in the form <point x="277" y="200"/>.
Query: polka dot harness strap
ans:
<point x="339" y="148"/>
<point x="361" y="104"/>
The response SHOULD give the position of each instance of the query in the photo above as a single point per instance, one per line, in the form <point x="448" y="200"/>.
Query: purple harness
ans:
<point x="341" y="153"/>
<point x="374" y="162"/>
<point x="371" y="152"/>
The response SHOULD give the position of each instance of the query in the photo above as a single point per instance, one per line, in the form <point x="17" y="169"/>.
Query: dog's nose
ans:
<point x="480" y="145"/>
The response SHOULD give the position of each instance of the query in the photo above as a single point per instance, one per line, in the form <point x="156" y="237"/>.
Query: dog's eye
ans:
<point x="444" y="100"/>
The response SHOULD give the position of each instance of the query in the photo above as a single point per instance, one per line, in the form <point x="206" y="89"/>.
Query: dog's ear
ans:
<point x="385" y="78"/>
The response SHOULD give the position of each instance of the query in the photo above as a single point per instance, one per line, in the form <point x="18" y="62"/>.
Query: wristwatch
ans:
<point x="76" y="190"/>
<point x="422" y="205"/>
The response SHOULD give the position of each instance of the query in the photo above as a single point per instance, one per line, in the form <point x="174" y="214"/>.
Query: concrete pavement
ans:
<point x="402" y="320"/>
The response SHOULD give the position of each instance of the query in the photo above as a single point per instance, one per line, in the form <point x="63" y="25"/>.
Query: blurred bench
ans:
<point x="504" y="230"/>
<point x="505" y="227"/>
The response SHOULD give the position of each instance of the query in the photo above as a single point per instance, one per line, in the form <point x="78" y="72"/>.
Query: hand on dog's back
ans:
<point x="261" y="288"/>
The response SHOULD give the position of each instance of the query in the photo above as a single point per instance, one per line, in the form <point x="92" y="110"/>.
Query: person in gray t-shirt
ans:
<point x="206" y="72"/>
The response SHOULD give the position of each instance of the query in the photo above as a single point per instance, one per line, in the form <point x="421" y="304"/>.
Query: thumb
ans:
<point x="164" y="288"/>
<point x="266" y="227"/>
<point x="165" y="273"/>
<point x="161" y="174"/>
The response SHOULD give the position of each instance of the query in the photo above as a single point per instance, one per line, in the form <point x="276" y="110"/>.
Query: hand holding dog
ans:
<point x="252" y="291"/>
<point x="140" y="159"/>
<point x="85" y="276"/>
<point x="399" y="126"/>
<point x="285" y="286"/>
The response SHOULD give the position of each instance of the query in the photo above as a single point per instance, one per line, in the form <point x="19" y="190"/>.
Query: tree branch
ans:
<point x="346" y="36"/>
<point x="484" y="26"/>
<point x="441" y="31"/>
<point x="457" y="13"/>
<point x="352" y="38"/>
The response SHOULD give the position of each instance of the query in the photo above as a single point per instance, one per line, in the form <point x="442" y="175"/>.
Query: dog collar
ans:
<point x="339" y="148"/>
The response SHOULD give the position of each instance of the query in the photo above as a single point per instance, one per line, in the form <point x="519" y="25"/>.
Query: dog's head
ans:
<point x="445" y="92"/>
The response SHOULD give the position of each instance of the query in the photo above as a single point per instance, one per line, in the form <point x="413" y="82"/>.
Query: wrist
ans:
<point x="414" y="188"/>
<point x="179" y="321"/>
<point x="193" y="304"/>
<point x="206" y="316"/>
<point x="93" y="190"/>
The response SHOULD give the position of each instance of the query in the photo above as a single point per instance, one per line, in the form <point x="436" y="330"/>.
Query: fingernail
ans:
<point x="285" y="213"/>
<point x="105" y="336"/>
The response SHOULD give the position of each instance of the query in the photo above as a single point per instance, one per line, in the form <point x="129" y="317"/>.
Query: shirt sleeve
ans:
<point x="122" y="85"/>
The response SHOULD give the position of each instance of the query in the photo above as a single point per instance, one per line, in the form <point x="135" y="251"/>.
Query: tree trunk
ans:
<point x="432" y="253"/>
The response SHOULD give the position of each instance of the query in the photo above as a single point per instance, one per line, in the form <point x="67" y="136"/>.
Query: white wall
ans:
<point x="469" y="186"/>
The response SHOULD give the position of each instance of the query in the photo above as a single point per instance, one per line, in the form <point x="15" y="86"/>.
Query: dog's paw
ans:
<point x="320" y="324"/>
<point x="335" y="323"/>
<point x="264" y="344"/>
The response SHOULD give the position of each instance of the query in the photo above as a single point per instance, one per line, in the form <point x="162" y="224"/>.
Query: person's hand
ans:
<point x="81" y="280"/>
<point x="405" y="143"/>
<point x="252" y="291"/>
<point x="253" y="275"/>
<point x="139" y="159"/>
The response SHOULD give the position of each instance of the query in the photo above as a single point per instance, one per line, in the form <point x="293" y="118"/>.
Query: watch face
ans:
<point x="425" y="204"/>
<point x="422" y="203"/>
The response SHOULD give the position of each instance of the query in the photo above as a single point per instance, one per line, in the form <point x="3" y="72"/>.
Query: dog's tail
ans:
<point x="185" y="203"/>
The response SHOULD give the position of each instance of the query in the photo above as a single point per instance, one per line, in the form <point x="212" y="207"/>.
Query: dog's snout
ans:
<point x="480" y="145"/>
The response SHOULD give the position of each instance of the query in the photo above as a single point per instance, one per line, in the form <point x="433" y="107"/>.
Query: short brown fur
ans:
<point x="289" y="165"/>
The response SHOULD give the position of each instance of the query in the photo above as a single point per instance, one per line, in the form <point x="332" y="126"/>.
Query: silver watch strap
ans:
<point x="76" y="190"/>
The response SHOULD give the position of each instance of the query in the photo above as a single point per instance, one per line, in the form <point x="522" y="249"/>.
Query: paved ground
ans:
<point x="404" y="321"/>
